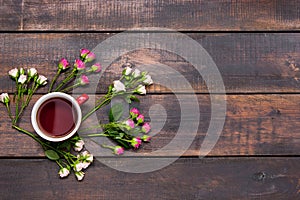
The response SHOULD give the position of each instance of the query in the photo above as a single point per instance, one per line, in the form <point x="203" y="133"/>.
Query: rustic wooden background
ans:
<point x="256" y="46"/>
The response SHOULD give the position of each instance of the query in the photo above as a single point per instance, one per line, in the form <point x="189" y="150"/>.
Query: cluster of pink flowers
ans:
<point x="131" y="132"/>
<point x="80" y="69"/>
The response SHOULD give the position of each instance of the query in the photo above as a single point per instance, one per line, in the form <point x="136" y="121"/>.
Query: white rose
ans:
<point x="148" y="80"/>
<point x="141" y="89"/>
<point x="79" y="175"/>
<point x="31" y="72"/>
<point x="78" y="145"/>
<point x="136" y="73"/>
<point x="22" y="79"/>
<point x="4" y="98"/>
<point x="63" y="172"/>
<point x="14" y="73"/>
<point x="119" y="86"/>
<point x="78" y="167"/>
<point x="42" y="80"/>
<point x="85" y="165"/>
<point x="127" y="71"/>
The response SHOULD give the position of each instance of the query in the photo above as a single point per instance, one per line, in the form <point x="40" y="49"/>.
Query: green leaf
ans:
<point x="116" y="112"/>
<point x="52" y="155"/>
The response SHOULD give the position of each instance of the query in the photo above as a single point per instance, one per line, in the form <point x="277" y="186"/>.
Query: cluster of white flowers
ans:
<point x="26" y="83"/>
<point x="20" y="76"/>
<point x="132" y="81"/>
<point x="83" y="161"/>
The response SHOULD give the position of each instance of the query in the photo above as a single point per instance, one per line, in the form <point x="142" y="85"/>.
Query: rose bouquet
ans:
<point x="70" y="155"/>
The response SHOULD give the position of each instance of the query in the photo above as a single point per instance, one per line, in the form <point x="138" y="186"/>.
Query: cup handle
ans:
<point x="82" y="99"/>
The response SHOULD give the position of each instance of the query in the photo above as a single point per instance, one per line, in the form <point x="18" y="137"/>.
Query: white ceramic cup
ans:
<point x="46" y="97"/>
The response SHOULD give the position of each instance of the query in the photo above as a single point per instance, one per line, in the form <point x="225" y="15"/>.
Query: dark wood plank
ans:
<point x="248" y="62"/>
<point x="209" y="178"/>
<point x="200" y="15"/>
<point x="11" y="15"/>
<point x="255" y="125"/>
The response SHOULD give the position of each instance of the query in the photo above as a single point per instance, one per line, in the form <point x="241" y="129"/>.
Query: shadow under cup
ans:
<point x="56" y="116"/>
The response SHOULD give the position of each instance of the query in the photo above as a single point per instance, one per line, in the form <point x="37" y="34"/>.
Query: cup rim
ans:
<point x="44" y="98"/>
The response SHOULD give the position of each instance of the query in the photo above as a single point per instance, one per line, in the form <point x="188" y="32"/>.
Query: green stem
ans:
<point x="43" y="144"/>
<point x="70" y="87"/>
<point x="54" y="79"/>
<point x="59" y="164"/>
<point x="28" y="98"/>
<point x="29" y="134"/>
<point x="9" y="111"/>
<point x="66" y="80"/>
<point x="98" y="135"/>
<point x="106" y="101"/>
<point x="107" y="146"/>
<point x="90" y="128"/>
<point x="17" y="103"/>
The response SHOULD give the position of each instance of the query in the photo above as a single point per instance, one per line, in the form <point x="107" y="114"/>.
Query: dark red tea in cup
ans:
<point x="56" y="117"/>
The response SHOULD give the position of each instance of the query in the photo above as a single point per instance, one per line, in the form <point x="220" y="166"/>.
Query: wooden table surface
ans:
<point x="256" y="47"/>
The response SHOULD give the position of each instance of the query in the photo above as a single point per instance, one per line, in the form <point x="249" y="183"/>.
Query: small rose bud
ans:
<point x="136" y="142"/>
<point x="90" y="57"/>
<point x="63" y="64"/>
<point x="146" y="127"/>
<point x="127" y="71"/>
<point x="146" y="138"/>
<point x="4" y="98"/>
<point x="14" y="73"/>
<point x="96" y="67"/>
<point x="84" y="53"/>
<point x="84" y="80"/>
<point x="130" y="123"/>
<point x="22" y="79"/>
<point x="148" y="80"/>
<point x="118" y="86"/>
<point x="79" y="64"/>
<point x="31" y="72"/>
<point x="86" y="156"/>
<point x="89" y="158"/>
<point x="79" y="175"/>
<point x="42" y="80"/>
<point x="140" y="119"/>
<point x="141" y="89"/>
<point x="78" y="166"/>
<point x="85" y="164"/>
<point x="118" y="150"/>
<point x="63" y="172"/>
<point x="78" y="146"/>
<point x="21" y="71"/>
<point x="136" y="73"/>
<point x="134" y="112"/>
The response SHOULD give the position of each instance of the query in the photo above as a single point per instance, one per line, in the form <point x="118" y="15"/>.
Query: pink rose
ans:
<point x="96" y="67"/>
<point x="84" y="80"/>
<point x="118" y="150"/>
<point x="130" y="123"/>
<point x="136" y="142"/>
<point x="63" y="64"/>
<point x="146" y="127"/>
<point x="79" y="64"/>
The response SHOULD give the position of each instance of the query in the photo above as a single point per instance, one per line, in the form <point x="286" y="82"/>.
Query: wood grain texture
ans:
<point x="11" y="15"/>
<point x="255" y="125"/>
<point x="196" y="15"/>
<point x="209" y="178"/>
<point x="248" y="62"/>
